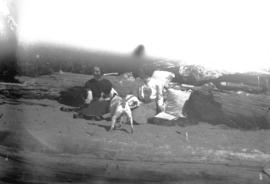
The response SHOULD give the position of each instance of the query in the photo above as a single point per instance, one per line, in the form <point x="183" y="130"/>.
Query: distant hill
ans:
<point x="41" y="59"/>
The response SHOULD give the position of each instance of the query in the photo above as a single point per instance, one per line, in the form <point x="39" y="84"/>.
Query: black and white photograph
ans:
<point x="125" y="91"/>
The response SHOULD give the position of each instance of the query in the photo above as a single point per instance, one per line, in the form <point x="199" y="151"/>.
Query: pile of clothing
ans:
<point x="170" y="101"/>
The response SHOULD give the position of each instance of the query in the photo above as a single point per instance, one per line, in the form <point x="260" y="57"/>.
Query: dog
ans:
<point x="121" y="108"/>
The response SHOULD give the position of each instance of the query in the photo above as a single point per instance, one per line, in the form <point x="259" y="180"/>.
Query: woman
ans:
<point x="98" y="88"/>
<point x="99" y="93"/>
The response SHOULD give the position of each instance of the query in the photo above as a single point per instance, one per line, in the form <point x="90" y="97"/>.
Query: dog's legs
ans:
<point x="129" y="114"/>
<point x="114" y="119"/>
<point x="131" y="123"/>
<point x="122" y="120"/>
<point x="113" y="123"/>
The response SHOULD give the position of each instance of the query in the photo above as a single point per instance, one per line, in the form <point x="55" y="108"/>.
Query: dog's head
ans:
<point x="116" y="99"/>
<point x="132" y="101"/>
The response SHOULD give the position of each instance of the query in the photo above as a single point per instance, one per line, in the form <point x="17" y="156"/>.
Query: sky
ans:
<point x="231" y="35"/>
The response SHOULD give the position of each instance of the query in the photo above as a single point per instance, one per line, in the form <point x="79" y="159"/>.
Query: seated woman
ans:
<point x="98" y="88"/>
<point x="99" y="93"/>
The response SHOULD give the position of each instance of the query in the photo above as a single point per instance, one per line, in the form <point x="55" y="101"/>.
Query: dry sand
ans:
<point x="41" y="144"/>
<point x="44" y="135"/>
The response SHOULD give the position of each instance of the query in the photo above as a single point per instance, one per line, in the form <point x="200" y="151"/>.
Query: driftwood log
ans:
<point x="66" y="88"/>
<point x="43" y="87"/>
<point x="234" y="109"/>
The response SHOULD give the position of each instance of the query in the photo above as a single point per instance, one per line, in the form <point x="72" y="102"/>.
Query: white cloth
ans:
<point x="163" y="77"/>
<point x="176" y="100"/>
<point x="89" y="97"/>
<point x="157" y="83"/>
<point x="164" y="115"/>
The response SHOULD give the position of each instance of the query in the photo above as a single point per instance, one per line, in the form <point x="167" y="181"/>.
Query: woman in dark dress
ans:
<point x="97" y="88"/>
<point x="99" y="93"/>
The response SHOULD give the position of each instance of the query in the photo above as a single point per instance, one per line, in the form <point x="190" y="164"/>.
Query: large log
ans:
<point x="235" y="109"/>
<point x="43" y="87"/>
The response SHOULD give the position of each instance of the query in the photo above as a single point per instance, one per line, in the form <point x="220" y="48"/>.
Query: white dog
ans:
<point x="119" y="108"/>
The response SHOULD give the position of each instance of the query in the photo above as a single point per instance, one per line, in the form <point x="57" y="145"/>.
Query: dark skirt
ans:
<point x="95" y="108"/>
